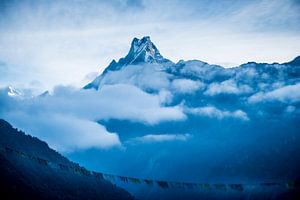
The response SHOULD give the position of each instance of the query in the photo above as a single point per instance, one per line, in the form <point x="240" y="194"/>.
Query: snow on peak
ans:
<point x="143" y="51"/>
<point x="12" y="92"/>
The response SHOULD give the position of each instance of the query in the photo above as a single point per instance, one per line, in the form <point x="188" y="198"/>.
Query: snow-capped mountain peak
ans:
<point x="12" y="92"/>
<point x="142" y="51"/>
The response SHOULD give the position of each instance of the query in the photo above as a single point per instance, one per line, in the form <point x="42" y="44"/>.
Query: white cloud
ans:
<point x="227" y="87"/>
<point x="129" y="102"/>
<point x="213" y="112"/>
<point x="186" y="85"/>
<point x="247" y="72"/>
<point x="286" y="94"/>
<point x="165" y="96"/>
<point x="64" y="132"/>
<point x="161" y="138"/>
<point x="290" y="109"/>
<point x="119" y="101"/>
<point x="66" y="119"/>
<point x="146" y="77"/>
<point x="201" y="69"/>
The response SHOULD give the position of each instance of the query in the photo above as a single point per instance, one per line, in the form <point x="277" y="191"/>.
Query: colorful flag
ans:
<point x="9" y="150"/>
<point x="42" y="161"/>
<point x="148" y="182"/>
<point x="63" y="167"/>
<point x="206" y="186"/>
<point x="293" y="184"/>
<point x="123" y="178"/>
<point x="134" y="180"/>
<point x="162" y="184"/>
<point x="189" y="185"/>
<point x="98" y="175"/>
<point x="220" y="186"/>
<point x="238" y="187"/>
<point x="176" y="185"/>
<point x="270" y="184"/>
<point x="109" y="177"/>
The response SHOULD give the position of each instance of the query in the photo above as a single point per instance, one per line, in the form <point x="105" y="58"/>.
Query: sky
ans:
<point x="47" y="43"/>
<point x="149" y="122"/>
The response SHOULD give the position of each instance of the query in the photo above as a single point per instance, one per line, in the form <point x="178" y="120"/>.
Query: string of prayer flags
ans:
<point x="238" y="187"/>
<point x="149" y="182"/>
<point x="220" y="186"/>
<point x="123" y="178"/>
<point x="135" y="180"/>
<point x="162" y="184"/>
<point x="98" y="175"/>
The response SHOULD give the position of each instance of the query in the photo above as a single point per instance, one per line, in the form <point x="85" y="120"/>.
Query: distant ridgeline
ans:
<point x="21" y="152"/>
<point x="29" y="169"/>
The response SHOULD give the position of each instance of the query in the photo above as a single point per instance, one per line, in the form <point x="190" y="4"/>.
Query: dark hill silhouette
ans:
<point x="22" y="178"/>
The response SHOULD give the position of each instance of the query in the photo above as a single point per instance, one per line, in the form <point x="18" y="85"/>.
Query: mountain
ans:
<point x="24" y="179"/>
<point x="294" y="62"/>
<point x="144" y="53"/>
<point x="12" y="92"/>
<point x="141" y="51"/>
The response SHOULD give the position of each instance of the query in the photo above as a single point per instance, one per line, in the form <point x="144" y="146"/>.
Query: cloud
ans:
<point x="151" y="138"/>
<point x="151" y="78"/>
<point x="286" y="94"/>
<point x="213" y="112"/>
<point x="67" y="118"/>
<point x="227" y="87"/>
<point x="290" y="109"/>
<point x="186" y="86"/>
<point x="91" y="76"/>
<point x="63" y="132"/>
<point x="119" y="101"/>
<point x="144" y="76"/>
<point x="165" y="96"/>
<point x="271" y="14"/>
<point x="201" y="69"/>
<point x="122" y="101"/>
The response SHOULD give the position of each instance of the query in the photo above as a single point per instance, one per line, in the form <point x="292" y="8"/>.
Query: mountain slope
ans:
<point x="23" y="179"/>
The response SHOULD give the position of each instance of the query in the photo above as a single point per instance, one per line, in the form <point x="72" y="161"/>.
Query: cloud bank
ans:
<point x="286" y="94"/>
<point x="213" y="112"/>
<point x="66" y="119"/>
<point x="227" y="87"/>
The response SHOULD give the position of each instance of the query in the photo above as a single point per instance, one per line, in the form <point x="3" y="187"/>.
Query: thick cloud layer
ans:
<point x="66" y="119"/>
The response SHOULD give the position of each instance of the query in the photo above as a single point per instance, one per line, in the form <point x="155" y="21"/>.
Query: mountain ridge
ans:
<point x="144" y="52"/>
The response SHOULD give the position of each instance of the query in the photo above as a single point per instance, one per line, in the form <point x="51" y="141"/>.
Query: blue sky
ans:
<point x="46" y="43"/>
